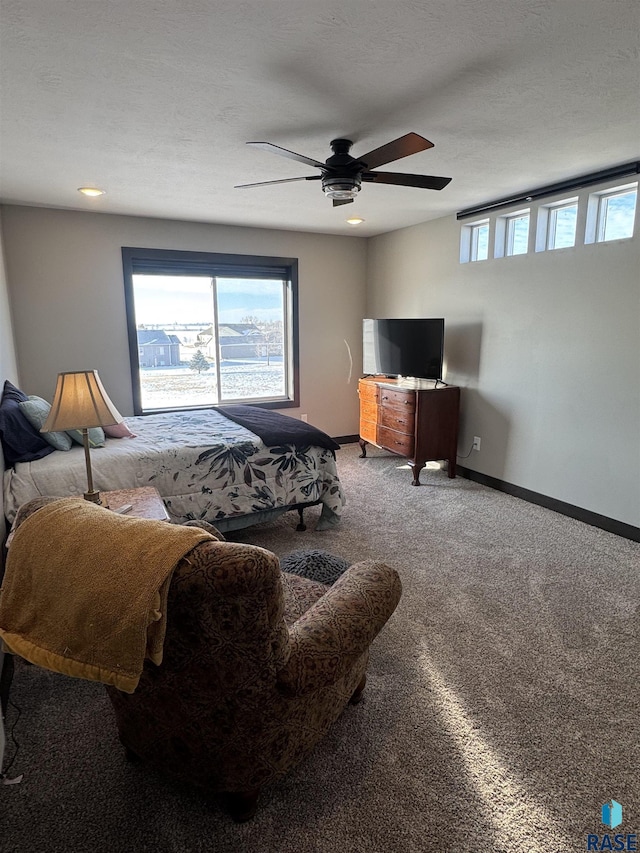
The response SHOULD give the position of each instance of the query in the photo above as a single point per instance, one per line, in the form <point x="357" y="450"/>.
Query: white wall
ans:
<point x="547" y="349"/>
<point x="66" y="288"/>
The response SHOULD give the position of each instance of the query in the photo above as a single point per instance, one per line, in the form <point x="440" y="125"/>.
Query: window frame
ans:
<point x="546" y="229"/>
<point x="502" y="233"/>
<point x="469" y="241"/>
<point x="597" y="203"/>
<point x="509" y="232"/>
<point x="474" y="231"/>
<point x="221" y="265"/>
<point x="603" y="209"/>
<point x="552" y="224"/>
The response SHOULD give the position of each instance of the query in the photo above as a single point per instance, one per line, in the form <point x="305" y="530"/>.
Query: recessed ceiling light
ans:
<point x="91" y="191"/>
<point x="355" y="220"/>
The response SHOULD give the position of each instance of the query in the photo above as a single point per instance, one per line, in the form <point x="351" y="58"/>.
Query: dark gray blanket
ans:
<point x="276" y="429"/>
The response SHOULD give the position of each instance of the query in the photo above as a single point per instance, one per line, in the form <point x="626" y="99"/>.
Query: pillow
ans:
<point x="120" y="430"/>
<point x="314" y="564"/>
<point x="96" y="436"/>
<point x="35" y="409"/>
<point x="10" y="392"/>
<point x="21" y="442"/>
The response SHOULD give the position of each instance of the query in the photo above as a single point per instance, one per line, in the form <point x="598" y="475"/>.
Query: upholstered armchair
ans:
<point x="257" y="664"/>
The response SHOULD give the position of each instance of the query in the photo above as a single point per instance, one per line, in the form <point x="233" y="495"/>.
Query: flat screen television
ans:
<point x="412" y="348"/>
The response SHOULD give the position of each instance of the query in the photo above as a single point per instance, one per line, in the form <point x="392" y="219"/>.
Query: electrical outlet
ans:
<point x="476" y="442"/>
<point x="304" y="418"/>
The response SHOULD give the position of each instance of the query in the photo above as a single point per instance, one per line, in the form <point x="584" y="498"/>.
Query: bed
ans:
<point x="205" y="466"/>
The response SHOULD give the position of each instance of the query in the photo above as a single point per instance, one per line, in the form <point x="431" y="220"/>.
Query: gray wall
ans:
<point x="8" y="366"/>
<point x="545" y="346"/>
<point x="547" y="349"/>
<point x="64" y="271"/>
<point x="8" y="370"/>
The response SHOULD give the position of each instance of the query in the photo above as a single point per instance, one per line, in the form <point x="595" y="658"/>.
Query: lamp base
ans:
<point x="94" y="496"/>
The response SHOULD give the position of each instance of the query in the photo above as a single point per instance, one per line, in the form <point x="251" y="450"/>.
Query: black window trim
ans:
<point x="173" y="262"/>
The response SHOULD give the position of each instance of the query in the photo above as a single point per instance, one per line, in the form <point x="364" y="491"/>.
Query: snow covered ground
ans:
<point x="244" y="379"/>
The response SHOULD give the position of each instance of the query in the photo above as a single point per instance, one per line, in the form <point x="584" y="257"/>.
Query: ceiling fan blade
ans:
<point x="282" y="181"/>
<point x="425" y="182"/>
<point x="284" y="152"/>
<point x="338" y="201"/>
<point x="410" y="143"/>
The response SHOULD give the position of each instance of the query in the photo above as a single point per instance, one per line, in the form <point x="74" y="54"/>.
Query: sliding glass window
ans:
<point x="208" y="329"/>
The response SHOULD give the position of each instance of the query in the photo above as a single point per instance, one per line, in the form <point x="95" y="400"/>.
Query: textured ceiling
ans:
<point x="153" y="101"/>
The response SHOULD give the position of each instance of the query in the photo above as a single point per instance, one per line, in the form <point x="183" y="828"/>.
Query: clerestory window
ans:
<point x="517" y="234"/>
<point x="616" y="214"/>
<point x="561" y="229"/>
<point x="480" y="241"/>
<point x="474" y="242"/>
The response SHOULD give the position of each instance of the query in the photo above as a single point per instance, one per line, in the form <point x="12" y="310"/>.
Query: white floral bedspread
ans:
<point x="204" y="466"/>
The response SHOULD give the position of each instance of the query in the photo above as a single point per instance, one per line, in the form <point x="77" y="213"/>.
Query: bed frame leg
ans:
<point x="301" y="526"/>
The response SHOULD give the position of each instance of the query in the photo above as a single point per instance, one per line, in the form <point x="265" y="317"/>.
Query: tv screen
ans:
<point x="404" y="347"/>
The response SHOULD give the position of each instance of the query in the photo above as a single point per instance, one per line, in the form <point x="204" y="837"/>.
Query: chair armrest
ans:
<point x="338" y="629"/>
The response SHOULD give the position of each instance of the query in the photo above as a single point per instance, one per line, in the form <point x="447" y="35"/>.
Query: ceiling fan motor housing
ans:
<point x="343" y="176"/>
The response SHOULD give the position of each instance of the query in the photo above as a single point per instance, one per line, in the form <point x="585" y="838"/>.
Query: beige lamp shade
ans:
<point x="80" y="401"/>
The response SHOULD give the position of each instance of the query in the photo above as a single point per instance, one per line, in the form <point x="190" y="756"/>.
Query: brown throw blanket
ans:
<point x="85" y="590"/>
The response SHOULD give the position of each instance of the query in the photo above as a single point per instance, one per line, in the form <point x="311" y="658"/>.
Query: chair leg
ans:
<point x="243" y="804"/>
<point x="357" y="693"/>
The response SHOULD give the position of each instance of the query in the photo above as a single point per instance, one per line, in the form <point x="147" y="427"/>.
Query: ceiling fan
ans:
<point x="342" y="175"/>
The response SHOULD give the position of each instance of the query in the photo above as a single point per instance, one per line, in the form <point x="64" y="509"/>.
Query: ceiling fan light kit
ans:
<point x="341" y="189"/>
<point x="342" y="175"/>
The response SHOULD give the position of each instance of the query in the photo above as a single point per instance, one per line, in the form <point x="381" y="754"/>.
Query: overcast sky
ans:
<point x="163" y="300"/>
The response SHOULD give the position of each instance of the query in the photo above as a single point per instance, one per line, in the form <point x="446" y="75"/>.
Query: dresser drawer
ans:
<point x="369" y="431"/>
<point x="397" y="419"/>
<point x="368" y="391"/>
<point x="398" y="442"/>
<point x="368" y="410"/>
<point x="398" y="399"/>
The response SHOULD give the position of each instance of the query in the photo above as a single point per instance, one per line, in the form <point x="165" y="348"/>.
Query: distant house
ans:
<point x="237" y="340"/>
<point x="158" y="349"/>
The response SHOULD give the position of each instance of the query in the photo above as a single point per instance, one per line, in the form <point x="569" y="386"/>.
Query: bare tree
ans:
<point x="270" y="342"/>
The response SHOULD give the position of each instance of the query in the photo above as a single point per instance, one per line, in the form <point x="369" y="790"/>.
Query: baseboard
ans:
<point x="346" y="439"/>
<point x="585" y="515"/>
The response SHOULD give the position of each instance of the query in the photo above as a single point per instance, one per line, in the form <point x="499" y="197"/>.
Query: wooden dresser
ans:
<point x="412" y="418"/>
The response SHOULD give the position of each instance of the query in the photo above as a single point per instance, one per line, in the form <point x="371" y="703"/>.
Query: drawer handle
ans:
<point x="406" y="402"/>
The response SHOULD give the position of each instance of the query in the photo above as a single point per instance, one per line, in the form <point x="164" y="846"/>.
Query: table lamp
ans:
<point x="80" y="402"/>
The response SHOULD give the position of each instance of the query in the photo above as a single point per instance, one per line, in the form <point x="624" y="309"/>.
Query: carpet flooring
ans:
<point x="502" y="707"/>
